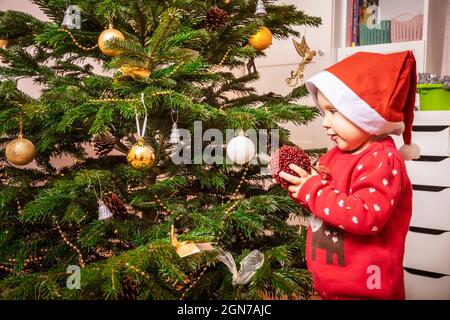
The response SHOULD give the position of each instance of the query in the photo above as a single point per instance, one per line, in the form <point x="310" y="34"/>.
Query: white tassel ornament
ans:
<point x="174" y="134"/>
<point x="260" y="9"/>
<point x="103" y="211"/>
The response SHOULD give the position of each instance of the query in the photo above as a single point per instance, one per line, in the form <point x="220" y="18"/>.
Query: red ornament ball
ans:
<point x="283" y="157"/>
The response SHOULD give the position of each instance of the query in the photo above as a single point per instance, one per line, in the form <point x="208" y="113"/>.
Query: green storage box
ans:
<point x="369" y="36"/>
<point x="433" y="97"/>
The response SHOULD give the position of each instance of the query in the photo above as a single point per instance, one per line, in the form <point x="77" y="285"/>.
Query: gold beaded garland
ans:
<point x="76" y="42"/>
<point x="159" y="93"/>
<point x="227" y="214"/>
<point x="68" y="243"/>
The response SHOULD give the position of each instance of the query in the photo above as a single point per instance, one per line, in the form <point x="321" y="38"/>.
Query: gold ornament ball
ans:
<point x="20" y="151"/>
<point x="108" y="35"/>
<point x="262" y="39"/>
<point x="3" y="43"/>
<point x="141" y="155"/>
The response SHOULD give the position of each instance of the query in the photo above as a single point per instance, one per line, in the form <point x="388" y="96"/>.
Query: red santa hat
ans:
<point x="375" y="91"/>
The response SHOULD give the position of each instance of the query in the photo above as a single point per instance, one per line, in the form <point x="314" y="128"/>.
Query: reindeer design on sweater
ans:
<point x="326" y="237"/>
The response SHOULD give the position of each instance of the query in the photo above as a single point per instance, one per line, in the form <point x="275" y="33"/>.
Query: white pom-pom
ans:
<point x="410" y="151"/>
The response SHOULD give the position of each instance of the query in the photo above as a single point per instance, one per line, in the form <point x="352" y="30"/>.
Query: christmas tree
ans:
<point x="131" y="222"/>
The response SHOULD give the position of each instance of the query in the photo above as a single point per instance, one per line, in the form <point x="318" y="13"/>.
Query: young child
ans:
<point x="362" y="209"/>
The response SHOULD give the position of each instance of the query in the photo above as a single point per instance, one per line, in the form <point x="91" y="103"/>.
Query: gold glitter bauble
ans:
<point x="262" y="39"/>
<point x="141" y="155"/>
<point x="20" y="151"/>
<point x="108" y="35"/>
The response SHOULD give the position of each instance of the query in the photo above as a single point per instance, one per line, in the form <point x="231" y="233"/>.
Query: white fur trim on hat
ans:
<point x="351" y="105"/>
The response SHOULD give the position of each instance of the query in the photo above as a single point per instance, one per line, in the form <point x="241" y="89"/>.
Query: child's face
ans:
<point x="348" y="136"/>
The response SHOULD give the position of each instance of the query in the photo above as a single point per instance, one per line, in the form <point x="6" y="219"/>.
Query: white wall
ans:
<point x="392" y="8"/>
<point x="24" y="6"/>
<point x="282" y="58"/>
<point x="25" y="85"/>
<point x="446" y="54"/>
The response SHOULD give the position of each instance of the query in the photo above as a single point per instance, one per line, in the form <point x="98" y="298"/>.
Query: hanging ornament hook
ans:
<point x="175" y="133"/>
<point x="103" y="211"/>
<point x="20" y="125"/>
<point x="173" y="112"/>
<point x="141" y="131"/>
<point x="100" y="187"/>
<point x="98" y="195"/>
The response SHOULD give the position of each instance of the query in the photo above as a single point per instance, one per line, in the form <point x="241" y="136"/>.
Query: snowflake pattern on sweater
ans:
<point x="361" y="215"/>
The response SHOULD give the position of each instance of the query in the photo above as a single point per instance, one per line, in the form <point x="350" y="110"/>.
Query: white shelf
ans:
<point x="428" y="51"/>
<point x="432" y="117"/>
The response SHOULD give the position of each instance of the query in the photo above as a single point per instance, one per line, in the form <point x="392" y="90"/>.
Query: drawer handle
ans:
<point x="418" y="187"/>
<point x="435" y="232"/>
<point x="428" y="274"/>
<point x="431" y="158"/>
<point x="428" y="128"/>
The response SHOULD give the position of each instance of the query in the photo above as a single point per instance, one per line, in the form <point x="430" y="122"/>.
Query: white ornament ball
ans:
<point x="240" y="149"/>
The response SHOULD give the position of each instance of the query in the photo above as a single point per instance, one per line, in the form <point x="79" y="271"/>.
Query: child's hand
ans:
<point x="273" y="180"/>
<point x="297" y="182"/>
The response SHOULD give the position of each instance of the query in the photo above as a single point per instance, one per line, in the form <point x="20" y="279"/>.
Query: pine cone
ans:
<point x="104" y="144"/>
<point x="216" y="19"/>
<point x="117" y="207"/>
<point x="130" y="289"/>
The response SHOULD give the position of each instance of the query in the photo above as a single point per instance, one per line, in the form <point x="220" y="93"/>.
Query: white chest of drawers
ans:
<point x="427" y="250"/>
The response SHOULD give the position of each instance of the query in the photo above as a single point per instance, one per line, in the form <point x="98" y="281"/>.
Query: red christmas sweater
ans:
<point x="361" y="214"/>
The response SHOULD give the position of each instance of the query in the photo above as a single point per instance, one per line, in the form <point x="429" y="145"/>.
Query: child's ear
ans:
<point x="318" y="94"/>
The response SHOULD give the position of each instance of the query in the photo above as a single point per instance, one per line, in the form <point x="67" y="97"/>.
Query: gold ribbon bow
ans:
<point x="137" y="73"/>
<point x="187" y="248"/>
